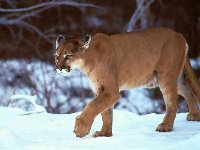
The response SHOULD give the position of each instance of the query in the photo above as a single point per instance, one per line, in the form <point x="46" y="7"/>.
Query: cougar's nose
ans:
<point x="58" y="68"/>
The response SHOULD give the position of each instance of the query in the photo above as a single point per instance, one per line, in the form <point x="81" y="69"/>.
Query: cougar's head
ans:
<point x="70" y="53"/>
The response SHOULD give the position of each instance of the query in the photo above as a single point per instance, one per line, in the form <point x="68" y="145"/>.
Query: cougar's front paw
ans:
<point x="82" y="126"/>
<point x="193" y="117"/>
<point x="164" y="127"/>
<point x="102" y="133"/>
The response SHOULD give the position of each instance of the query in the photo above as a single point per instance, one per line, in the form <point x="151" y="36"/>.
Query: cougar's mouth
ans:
<point x="63" y="71"/>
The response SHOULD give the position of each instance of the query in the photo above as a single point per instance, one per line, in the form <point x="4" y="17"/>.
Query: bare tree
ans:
<point x="139" y="15"/>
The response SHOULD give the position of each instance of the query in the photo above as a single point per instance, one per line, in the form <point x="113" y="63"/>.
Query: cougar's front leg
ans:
<point x="107" y="118"/>
<point x="103" y="101"/>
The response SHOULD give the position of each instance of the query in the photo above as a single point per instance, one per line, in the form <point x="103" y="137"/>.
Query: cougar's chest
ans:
<point x="92" y="85"/>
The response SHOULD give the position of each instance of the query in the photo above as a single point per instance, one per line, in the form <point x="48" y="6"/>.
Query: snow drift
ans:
<point x="39" y="131"/>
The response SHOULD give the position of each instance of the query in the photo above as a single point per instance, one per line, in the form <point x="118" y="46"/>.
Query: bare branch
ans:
<point x="141" y="8"/>
<point x="17" y="16"/>
<point x="50" y="4"/>
<point x="33" y="13"/>
<point x="21" y="23"/>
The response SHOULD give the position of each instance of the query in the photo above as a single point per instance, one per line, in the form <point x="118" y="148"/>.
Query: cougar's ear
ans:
<point x="86" y="41"/>
<point x="59" y="40"/>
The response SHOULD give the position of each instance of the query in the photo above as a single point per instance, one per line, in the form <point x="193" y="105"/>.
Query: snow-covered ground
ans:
<point x="43" y="131"/>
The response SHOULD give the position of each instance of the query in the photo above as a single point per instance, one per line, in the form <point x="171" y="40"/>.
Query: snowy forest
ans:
<point x="39" y="107"/>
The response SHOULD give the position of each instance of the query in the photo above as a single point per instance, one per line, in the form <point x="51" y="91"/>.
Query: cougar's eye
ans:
<point x="68" y="56"/>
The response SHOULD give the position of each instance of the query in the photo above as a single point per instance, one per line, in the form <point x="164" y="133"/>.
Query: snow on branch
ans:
<point x="142" y="6"/>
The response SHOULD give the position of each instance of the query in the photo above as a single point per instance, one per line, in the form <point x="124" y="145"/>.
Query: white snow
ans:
<point x="21" y="101"/>
<point x="55" y="132"/>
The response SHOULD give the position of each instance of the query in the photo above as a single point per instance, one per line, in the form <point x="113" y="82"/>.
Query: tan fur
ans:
<point x="149" y="58"/>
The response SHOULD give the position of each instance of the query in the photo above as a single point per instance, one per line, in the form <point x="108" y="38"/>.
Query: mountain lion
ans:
<point x="155" y="57"/>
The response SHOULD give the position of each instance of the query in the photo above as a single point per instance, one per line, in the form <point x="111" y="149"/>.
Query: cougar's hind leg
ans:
<point x="168" y="87"/>
<point x="186" y="91"/>
<point x="107" y="118"/>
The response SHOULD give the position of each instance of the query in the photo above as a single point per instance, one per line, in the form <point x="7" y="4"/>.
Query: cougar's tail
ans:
<point x="191" y="80"/>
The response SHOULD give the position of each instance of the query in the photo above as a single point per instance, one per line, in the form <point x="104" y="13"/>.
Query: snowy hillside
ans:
<point x="43" y="131"/>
